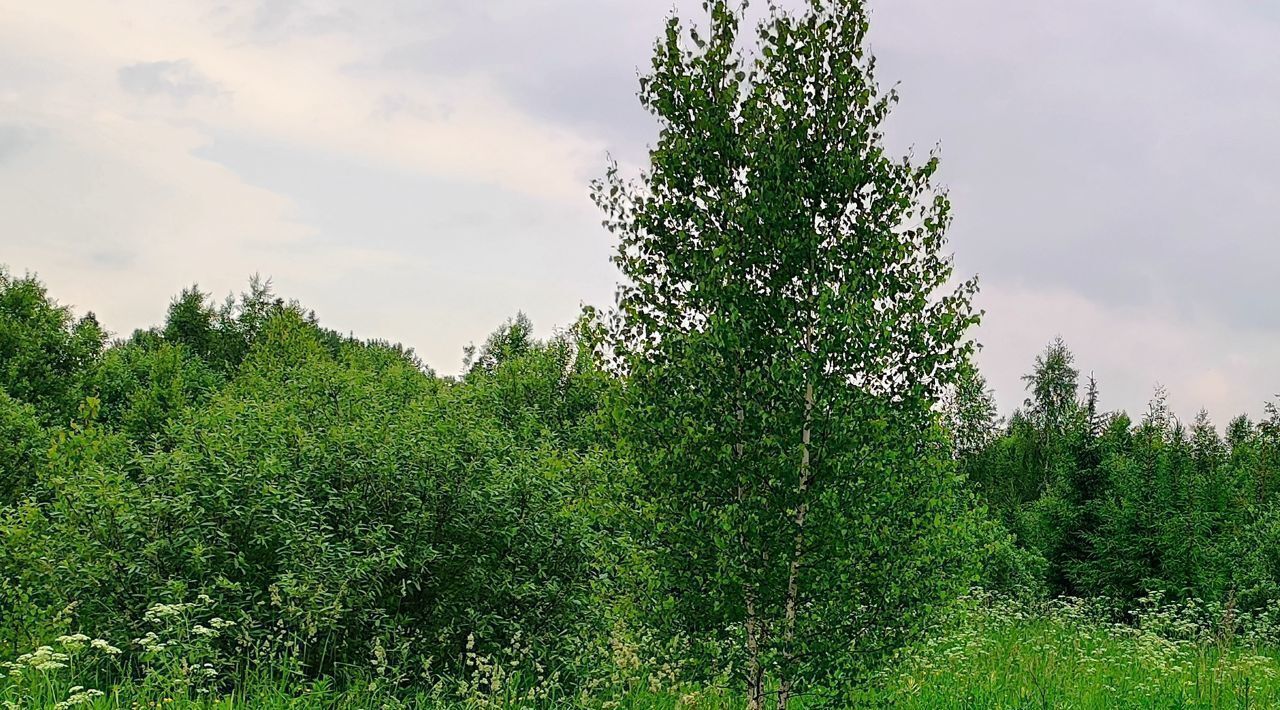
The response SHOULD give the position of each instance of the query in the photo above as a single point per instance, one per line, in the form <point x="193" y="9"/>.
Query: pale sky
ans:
<point x="417" y="170"/>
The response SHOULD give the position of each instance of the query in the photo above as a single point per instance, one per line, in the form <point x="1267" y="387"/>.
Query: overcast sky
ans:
<point x="417" y="170"/>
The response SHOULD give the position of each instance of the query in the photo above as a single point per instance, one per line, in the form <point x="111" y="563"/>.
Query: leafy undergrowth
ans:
<point x="178" y="664"/>
<point x="989" y="653"/>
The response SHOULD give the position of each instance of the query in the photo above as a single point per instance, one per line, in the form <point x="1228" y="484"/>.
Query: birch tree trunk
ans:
<point x="793" y="586"/>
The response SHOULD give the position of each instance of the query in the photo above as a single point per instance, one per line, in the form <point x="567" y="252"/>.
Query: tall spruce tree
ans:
<point x="1093" y="417"/>
<point x="787" y="335"/>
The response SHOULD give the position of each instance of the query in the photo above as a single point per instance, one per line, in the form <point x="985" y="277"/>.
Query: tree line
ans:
<point x="1117" y="507"/>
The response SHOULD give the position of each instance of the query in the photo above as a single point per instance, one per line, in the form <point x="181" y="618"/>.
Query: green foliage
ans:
<point x="143" y="385"/>
<point x="1118" y="509"/>
<point x="970" y="410"/>
<point x="22" y="444"/>
<point x="785" y="333"/>
<point x="512" y="340"/>
<point x="338" y="500"/>
<point x="44" y="351"/>
<point x="71" y="543"/>
<point x="333" y="508"/>
<point x="773" y="468"/>
<point x="1053" y="384"/>
<point x="222" y="337"/>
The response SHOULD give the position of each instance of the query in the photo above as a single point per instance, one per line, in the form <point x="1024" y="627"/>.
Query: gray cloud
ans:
<point x="392" y="105"/>
<point x="1122" y="151"/>
<point x="278" y="20"/>
<point x="16" y="139"/>
<point x="574" y="63"/>
<point x="1111" y="164"/>
<point x="114" y="260"/>
<point x="1118" y="150"/>
<point x="467" y="256"/>
<point x="179" y="80"/>
<point x="1115" y="157"/>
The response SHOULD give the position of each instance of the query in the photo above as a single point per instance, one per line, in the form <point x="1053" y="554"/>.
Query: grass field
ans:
<point x="987" y="654"/>
<point x="1068" y="655"/>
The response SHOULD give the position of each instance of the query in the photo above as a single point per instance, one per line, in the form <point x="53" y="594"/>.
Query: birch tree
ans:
<point x="786" y="325"/>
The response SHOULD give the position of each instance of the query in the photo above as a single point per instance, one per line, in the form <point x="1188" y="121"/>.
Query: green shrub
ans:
<point x="22" y="443"/>
<point x="340" y="506"/>
<point x="44" y="351"/>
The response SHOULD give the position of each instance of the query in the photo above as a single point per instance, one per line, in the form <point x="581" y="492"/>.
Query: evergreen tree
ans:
<point x="1093" y="417"/>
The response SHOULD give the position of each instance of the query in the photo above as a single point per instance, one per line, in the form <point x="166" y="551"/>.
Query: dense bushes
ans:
<point x="334" y="502"/>
<point x="339" y="507"/>
<point x="22" y="444"/>
<point x="331" y="498"/>
<point x="145" y="384"/>
<point x="44" y="351"/>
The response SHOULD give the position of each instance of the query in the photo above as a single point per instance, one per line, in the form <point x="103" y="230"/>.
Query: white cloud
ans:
<point x="117" y="215"/>
<point x="1130" y="350"/>
<point x="109" y="193"/>
<point x="416" y="169"/>
<point x="306" y="89"/>
<point x="178" y="80"/>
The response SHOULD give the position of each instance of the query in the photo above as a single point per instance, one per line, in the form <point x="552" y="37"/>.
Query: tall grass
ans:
<point x="1076" y="654"/>
<point x="987" y="653"/>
